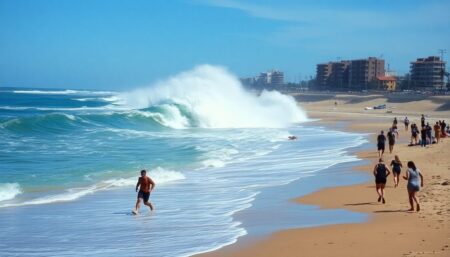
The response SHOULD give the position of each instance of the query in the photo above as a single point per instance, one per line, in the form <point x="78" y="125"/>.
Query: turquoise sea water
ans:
<point x="69" y="161"/>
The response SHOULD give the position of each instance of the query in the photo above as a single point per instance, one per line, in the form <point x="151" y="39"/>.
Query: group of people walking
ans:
<point x="412" y="174"/>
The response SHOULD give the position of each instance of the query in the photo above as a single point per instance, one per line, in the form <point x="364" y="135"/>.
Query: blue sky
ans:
<point x="115" y="44"/>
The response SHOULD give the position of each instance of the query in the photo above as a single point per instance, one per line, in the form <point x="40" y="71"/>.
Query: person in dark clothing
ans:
<point x="381" y="172"/>
<point x="406" y="122"/>
<point x="391" y="140"/>
<point x="381" y="140"/>
<point x="423" y="137"/>
<point x="443" y="125"/>
<point x="429" y="133"/>
<point x="422" y="121"/>
<point x="414" y="134"/>
<point x="396" y="165"/>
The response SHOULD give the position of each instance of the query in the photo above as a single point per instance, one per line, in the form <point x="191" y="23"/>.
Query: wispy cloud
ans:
<point x="423" y="14"/>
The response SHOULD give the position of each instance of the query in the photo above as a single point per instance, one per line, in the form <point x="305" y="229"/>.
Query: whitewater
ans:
<point x="69" y="159"/>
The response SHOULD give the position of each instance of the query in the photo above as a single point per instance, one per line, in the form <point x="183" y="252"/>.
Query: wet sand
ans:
<point x="391" y="230"/>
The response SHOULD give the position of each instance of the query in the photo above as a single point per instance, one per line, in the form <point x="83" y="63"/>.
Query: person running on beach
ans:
<point x="145" y="185"/>
<point x="396" y="165"/>
<point x="414" y="184"/>
<point x="391" y="140"/>
<point x="381" y="172"/>
<point x="381" y="139"/>
<point x="423" y="137"/>
<point x="422" y="121"/>
<point x="437" y="132"/>
<point x="406" y="122"/>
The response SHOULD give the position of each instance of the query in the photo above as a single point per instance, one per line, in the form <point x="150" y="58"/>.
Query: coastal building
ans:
<point x="363" y="72"/>
<point x="386" y="82"/>
<point x="273" y="78"/>
<point x="323" y="72"/>
<point x="427" y="73"/>
<point x="354" y="74"/>
<point x="277" y="78"/>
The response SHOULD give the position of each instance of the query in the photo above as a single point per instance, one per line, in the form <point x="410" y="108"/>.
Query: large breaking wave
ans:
<point x="211" y="97"/>
<point x="206" y="97"/>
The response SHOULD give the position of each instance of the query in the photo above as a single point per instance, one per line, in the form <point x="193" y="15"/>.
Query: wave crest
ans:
<point x="211" y="97"/>
<point x="9" y="191"/>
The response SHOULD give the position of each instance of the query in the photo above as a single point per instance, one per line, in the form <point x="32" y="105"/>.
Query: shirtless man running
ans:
<point x="145" y="185"/>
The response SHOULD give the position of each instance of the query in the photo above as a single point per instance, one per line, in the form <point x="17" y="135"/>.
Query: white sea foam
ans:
<point x="9" y="191"/>
<point x="159" y="175"/>
<point x="214" y="98"/>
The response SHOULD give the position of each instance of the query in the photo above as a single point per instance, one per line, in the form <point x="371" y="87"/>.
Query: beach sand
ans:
<point x="391" y="229"/>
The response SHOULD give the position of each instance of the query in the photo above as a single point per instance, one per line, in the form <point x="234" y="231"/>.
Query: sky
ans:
<point x="115" y="44"/>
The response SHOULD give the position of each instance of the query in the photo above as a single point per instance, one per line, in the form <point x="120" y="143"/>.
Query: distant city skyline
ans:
<point x="113" y="44"/>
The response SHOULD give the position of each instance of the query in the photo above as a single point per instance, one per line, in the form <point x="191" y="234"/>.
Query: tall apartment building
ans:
<point x="271" y="78"/>
<point x="428" y="73"/>
<point x="363" y="72"/>
<point x="354" y="74"/>
<point x="323" y="72"/>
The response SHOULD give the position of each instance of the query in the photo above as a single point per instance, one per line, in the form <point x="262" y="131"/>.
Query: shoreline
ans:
<point x="400" y="233"/>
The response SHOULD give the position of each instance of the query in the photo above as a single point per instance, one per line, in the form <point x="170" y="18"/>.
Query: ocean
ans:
<point x="70" y="159"/>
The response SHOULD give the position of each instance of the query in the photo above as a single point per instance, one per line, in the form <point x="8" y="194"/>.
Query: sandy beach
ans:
<point x="391" y="230"/>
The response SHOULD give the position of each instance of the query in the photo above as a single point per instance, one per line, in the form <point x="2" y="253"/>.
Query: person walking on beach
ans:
<point x="395" y="122"/>
<point x="381" y="172"/>
<point x="145" y="185"/>
<point x="422" y="121"/>
<point x="443" y="126"/>
<point x="429" y="133"/>
<point x="406" y="122"/>
<point x="423" y="137"/>
<point x="437" y="132"/>
<point x="396" y="165"/>
<point x="414" y="134"/>
<point x="391" y="140"/>
<point x="415" y="181"/>
<point x="381" y="140"/>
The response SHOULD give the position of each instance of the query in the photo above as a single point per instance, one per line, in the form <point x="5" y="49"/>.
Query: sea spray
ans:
<point x="9" y="191"/>
<point x="211" y="97"/>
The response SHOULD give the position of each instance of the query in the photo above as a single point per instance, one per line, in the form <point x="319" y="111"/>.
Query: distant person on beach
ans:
<point x="422" y="121"/>
<point x="415" y="181"/>
<point x="145" y="185"/>
<point x="414" y="134"/>
<point x="381" y="140"/>
<point x="396" y="165"/>
<point x="423" y="137"/>
<point x="406" y="122"/>
<point x="381" y="172"/>
<point x="443" y="125"/>
<point x="437" y="132"/>
<point x="391" y="140"/>
<point x="335" y="104"/>
<point x="394" y="123"/>
<point x="429" y="133"/>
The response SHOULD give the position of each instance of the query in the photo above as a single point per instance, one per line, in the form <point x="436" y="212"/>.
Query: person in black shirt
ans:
<point x="381" y="172"/>
<point x="391" y="140"/>
<point x="381" y="140"/>
<point x="423" y="137"/>
<point x="422" y="121"/>
<point x="429" y="133"/>
<point x="396" y="165"/>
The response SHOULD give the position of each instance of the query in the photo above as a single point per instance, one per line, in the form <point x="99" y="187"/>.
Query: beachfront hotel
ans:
<point x="357" y="74"/>
<point x="428" y="73"/>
